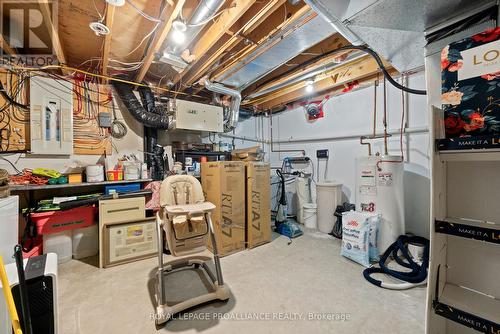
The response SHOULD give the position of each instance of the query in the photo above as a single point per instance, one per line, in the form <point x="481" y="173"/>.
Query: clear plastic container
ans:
<point x="85" y="242"/>
<point x="60" y="243"/>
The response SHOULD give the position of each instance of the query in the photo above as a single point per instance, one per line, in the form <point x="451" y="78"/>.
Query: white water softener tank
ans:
<point x="303" y="191"/>
<point x="379" y="189"/>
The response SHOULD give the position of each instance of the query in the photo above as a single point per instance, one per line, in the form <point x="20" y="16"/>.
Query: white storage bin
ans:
<point x="85" y="241"/>
<point x="60" y="243"/>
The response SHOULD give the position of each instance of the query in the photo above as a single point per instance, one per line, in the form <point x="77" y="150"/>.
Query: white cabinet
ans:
<point x="9" y="222"/>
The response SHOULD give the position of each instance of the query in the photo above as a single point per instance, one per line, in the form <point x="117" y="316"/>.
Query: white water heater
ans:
<point x="379" y="189"/>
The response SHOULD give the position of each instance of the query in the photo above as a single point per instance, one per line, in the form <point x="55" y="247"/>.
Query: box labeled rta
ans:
<point x="223" y="185"/>
<point x="258" y="207"/>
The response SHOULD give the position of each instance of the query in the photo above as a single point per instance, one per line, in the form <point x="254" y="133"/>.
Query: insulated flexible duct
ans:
<point x="234" y="114"/>
<point x="149" y="119"/>
<point x="154" y="152"/>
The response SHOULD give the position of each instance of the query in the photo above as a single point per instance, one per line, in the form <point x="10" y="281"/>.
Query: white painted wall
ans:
<point x="351" y="114"/>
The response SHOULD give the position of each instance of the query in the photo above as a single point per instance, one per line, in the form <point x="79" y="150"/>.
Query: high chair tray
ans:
<point x="189" y="208"/>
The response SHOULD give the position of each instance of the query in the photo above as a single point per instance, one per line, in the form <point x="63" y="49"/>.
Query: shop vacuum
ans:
<point x="283" y="225"/>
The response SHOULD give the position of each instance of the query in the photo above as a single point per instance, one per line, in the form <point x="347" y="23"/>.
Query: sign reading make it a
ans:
<point x="27" y="27"/>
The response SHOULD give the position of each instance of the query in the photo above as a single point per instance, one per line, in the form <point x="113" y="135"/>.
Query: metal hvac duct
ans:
<point x="205" y="10"/>
<point x="306" y="31"/>
<point x="394" y="29"/>
<point x="235" y="102"/>
<point x="333" y="12"/>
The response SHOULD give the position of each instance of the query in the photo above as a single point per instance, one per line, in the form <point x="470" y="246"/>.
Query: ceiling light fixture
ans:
<point x="309" y="85"/>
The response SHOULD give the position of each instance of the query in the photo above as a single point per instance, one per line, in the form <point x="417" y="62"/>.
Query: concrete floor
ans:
<point x="282" y="285"/>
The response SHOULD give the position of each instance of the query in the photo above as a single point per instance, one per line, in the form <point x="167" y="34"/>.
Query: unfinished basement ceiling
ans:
<point x="288" y="43"/>
<point x="395" y="29"/>
<point x="256" y="46"/>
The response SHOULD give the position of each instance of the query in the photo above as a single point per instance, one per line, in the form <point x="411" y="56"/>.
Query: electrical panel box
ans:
<point x="198" y="116"/>
<point x="51" y="116"/>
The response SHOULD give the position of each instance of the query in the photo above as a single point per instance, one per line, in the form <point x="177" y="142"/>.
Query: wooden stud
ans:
<point x="351" y="71"/>
<point x="110" y="14"/>
<point x="235" y="62"/>
<point x="252" y="19"/>
<point x="334" y="91"/>
<point x="159" y="39"/>
<point x="302" y="70"/>
<point x="56" y="42"/>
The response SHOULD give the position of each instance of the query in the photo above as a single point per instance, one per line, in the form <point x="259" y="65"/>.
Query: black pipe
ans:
<point x="149" y="119"/>
<point x="153" y="152"/>
<point x="362" y="48"/>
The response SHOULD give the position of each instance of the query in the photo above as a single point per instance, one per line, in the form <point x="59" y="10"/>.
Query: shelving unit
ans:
<point x="463" y="306"/>
<point x="467" y="228"/>
<point x="30" y="187"/>
<point x="463" y="294"/>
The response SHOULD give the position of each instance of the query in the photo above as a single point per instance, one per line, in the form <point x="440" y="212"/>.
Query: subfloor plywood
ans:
<point x="306" y="277"/>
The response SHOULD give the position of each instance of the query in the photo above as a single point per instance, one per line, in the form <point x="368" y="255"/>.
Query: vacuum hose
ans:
<point x="418" y="274"/>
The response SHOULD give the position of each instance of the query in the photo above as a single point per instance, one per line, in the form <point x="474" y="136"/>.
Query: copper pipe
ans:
<point x="401" y="133"/>
<point x="375" y="108"/>
<point x="363" y="143"/>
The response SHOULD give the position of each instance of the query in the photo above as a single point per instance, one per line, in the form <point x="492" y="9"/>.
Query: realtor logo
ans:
<point x="27" y="28"/>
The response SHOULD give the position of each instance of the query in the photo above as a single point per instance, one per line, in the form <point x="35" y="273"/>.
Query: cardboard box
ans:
<point x="258" y="207"/>
<point x="115" y="212"/>
<point x="224" y="185"/>
<point x="129" y="241"/>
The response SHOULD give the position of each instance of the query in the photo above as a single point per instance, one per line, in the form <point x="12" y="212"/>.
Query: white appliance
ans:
<point x="9" y="225"/>
<point x="51" y="116"/>
<point x="191" y="115"/>
<point x="379" y="189"/>
<point x="41" y="280"/>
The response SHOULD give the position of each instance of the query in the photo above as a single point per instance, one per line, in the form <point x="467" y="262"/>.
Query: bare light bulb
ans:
<point x="309" y="86"/>
<point x="178" y="37"/>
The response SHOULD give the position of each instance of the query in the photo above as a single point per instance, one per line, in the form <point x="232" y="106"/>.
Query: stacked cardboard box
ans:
<point x="241" y="192"/>
<point x="258" y="207"/>
<point x="223" y="185"/>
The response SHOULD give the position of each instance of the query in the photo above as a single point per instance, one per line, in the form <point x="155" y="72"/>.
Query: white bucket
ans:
<point x="309" y="216"/>
<point x="328" y="196"/>
<point x="95" y="173"/>
<point x="131" y="171"/>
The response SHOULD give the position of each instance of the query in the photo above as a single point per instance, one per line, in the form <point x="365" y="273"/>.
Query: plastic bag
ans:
<point x="360" y="237"/>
